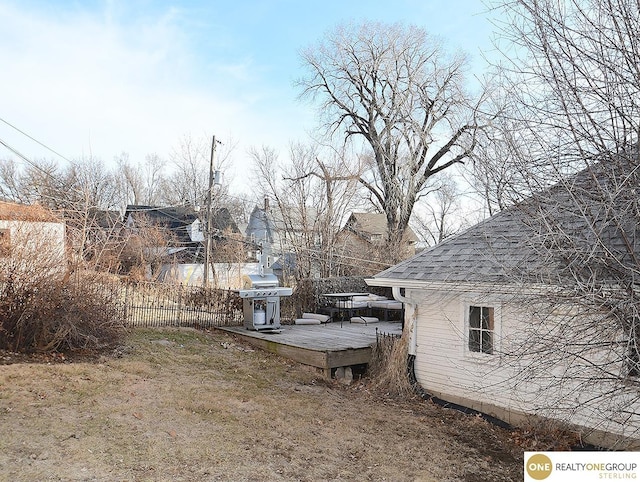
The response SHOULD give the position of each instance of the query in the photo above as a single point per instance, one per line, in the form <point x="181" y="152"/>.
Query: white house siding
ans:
<point x="223" y="275"/>
<point x="445" y="368"/>
<point x="195" y="231"/>
<point x="36" y="248"/>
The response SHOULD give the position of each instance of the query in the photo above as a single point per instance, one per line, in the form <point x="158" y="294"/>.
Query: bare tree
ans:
<point x="438" y="222"/>
<point x="312" y="193"/>
<point x="85" y="182"/>
<point x="93" y="183"/>
<point x="500" y="171"/>
<point x="398" y="92"/>
<point x="189" y="181"/>
<point x="576" y="92"/>
<point x="45" y="182"/>
<point x="129" y="181"/>
<point x="11" y="180"/>
<point x="145" y="183"/>
<point x="155" y="179"/>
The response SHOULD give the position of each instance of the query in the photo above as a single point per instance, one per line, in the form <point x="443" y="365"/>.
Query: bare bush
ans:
<point x="144" y="249"/>
<point x="57" y="315"/>
<point x="42" y="307"/>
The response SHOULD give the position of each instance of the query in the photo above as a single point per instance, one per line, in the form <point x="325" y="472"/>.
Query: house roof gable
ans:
<point x="105" y="219"/>
<point x="174" y="219"/>
<point x="373" y="224"/>
<point x="222" y="220"/>
<point x="171" y="217"/>
<point x="261" y="225"/>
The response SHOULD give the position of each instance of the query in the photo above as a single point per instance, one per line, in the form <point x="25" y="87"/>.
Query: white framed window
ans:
<point x="481" y="326"/>
<point x="5" y="243"/>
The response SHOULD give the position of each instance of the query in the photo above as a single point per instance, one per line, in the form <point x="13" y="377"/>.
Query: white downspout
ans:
<point x="413" y="326"/>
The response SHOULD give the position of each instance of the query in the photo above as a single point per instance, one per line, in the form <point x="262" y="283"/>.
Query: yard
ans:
<point x="186" y="405"/>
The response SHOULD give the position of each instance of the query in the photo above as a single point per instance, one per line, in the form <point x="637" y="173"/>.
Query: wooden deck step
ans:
<point x="328" y="346"/>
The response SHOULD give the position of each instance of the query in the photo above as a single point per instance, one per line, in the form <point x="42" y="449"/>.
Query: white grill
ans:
<point x="261" y="301"/>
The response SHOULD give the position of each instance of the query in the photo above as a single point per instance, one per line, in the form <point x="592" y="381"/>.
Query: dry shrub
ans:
<point x="389" y="366"/>
<point x="42" y="307"/>
<point x="545" y="435"/>
<point x="59" y="314"/>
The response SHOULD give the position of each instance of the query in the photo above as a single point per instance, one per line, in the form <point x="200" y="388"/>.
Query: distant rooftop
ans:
<point x="22" y="212"/>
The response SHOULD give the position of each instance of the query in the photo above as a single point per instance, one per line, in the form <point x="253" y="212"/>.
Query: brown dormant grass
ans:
<point x="183" y="405"/>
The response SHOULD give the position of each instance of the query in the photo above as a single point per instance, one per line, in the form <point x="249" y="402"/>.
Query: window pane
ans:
<point x="487" y="342"/>
<point x="634" y="360"/>
<point x="474" y="317"/>
<point x="487" y="318"/>
<point x="490" y="318"/>
<point x="474" y="340"/>
<point x="5" y="243"/>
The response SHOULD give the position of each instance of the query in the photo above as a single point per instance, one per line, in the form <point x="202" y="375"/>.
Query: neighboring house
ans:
<point x="261" y="229"/>
<point x="289" y="231"/>
<point x="476" y="331"/>
<point x="32" y="240"/>
<point x="363" y="238"/>
<point x="177" y="238"/>
<point x="284" y="268"/>
<point x="179" y="230"/>
<point x="108" y="223"/>
<point x="223" y="221"/>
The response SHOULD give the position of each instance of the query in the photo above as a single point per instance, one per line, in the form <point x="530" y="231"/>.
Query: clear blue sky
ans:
<point x="105" y="77"/>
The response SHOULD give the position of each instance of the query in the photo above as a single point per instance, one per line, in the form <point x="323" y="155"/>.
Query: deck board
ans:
<point x="324" y="346"/>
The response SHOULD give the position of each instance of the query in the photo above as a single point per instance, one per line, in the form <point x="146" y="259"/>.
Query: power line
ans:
<point x="27" y="160"/>
<point x="311" y="251"/>
<point x="34" y="140"/>
<point x="21" y="156"/>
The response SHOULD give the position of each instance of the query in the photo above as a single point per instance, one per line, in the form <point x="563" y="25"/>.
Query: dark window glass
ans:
<point x="5" y="243"/>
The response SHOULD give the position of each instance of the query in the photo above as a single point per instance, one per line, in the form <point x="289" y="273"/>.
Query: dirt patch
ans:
<point x="183" y="405"/>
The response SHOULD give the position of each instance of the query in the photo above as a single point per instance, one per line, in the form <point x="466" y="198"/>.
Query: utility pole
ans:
<point x="214" y="180"/>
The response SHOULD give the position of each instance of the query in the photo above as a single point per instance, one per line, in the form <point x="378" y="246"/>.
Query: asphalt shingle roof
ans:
<point x="487" y="252"/>
<point x="588" y="223"/>
<point x="22" y="212"/>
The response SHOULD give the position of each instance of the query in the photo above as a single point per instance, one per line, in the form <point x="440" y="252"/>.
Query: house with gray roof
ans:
<point x="261" y="229"/>
<point x="176" y="239"/>
<point x="497" y="319"/>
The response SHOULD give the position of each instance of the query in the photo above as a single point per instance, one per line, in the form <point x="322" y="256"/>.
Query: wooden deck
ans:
<point x="328" y="346"/>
